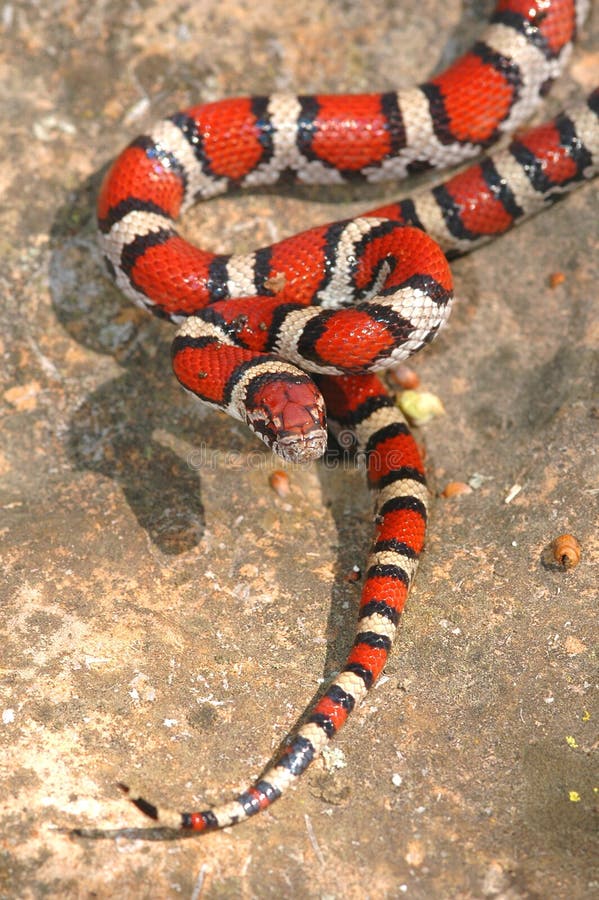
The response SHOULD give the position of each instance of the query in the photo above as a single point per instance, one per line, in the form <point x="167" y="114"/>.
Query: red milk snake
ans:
<point x="344" y="300"/>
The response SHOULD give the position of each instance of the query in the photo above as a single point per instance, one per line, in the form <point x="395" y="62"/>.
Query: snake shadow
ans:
<point x="114" y="430"/>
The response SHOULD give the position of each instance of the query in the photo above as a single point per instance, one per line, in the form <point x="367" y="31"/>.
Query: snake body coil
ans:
<point x="345" y="300"/>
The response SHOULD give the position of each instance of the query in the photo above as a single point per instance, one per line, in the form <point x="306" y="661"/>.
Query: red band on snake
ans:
<point x="348" y="299"/>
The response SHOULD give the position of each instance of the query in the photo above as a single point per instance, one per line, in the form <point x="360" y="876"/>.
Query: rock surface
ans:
<point x="167" y="616"/>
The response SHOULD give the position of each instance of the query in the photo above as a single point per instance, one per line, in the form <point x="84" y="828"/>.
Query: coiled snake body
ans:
<point x="346" y="300"/>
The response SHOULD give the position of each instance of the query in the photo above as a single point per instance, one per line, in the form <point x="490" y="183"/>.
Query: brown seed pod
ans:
<point x="556" y="278"/>
<point x="566" y="551"/>
<point x="279" y="482"/>
<point x="404" y="377"/>
<point x="455" y="488"/>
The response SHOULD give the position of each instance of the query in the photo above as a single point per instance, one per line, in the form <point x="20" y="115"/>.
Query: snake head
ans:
<point x="287" y="412"/>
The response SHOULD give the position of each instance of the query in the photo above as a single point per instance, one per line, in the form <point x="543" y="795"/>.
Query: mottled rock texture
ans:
<point x="166" y="615"/>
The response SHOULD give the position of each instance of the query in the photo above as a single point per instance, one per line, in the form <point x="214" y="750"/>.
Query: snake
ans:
<point x="290" y="338"/>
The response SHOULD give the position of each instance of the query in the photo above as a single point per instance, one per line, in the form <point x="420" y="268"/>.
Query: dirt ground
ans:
<point x="167" y="616"/>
